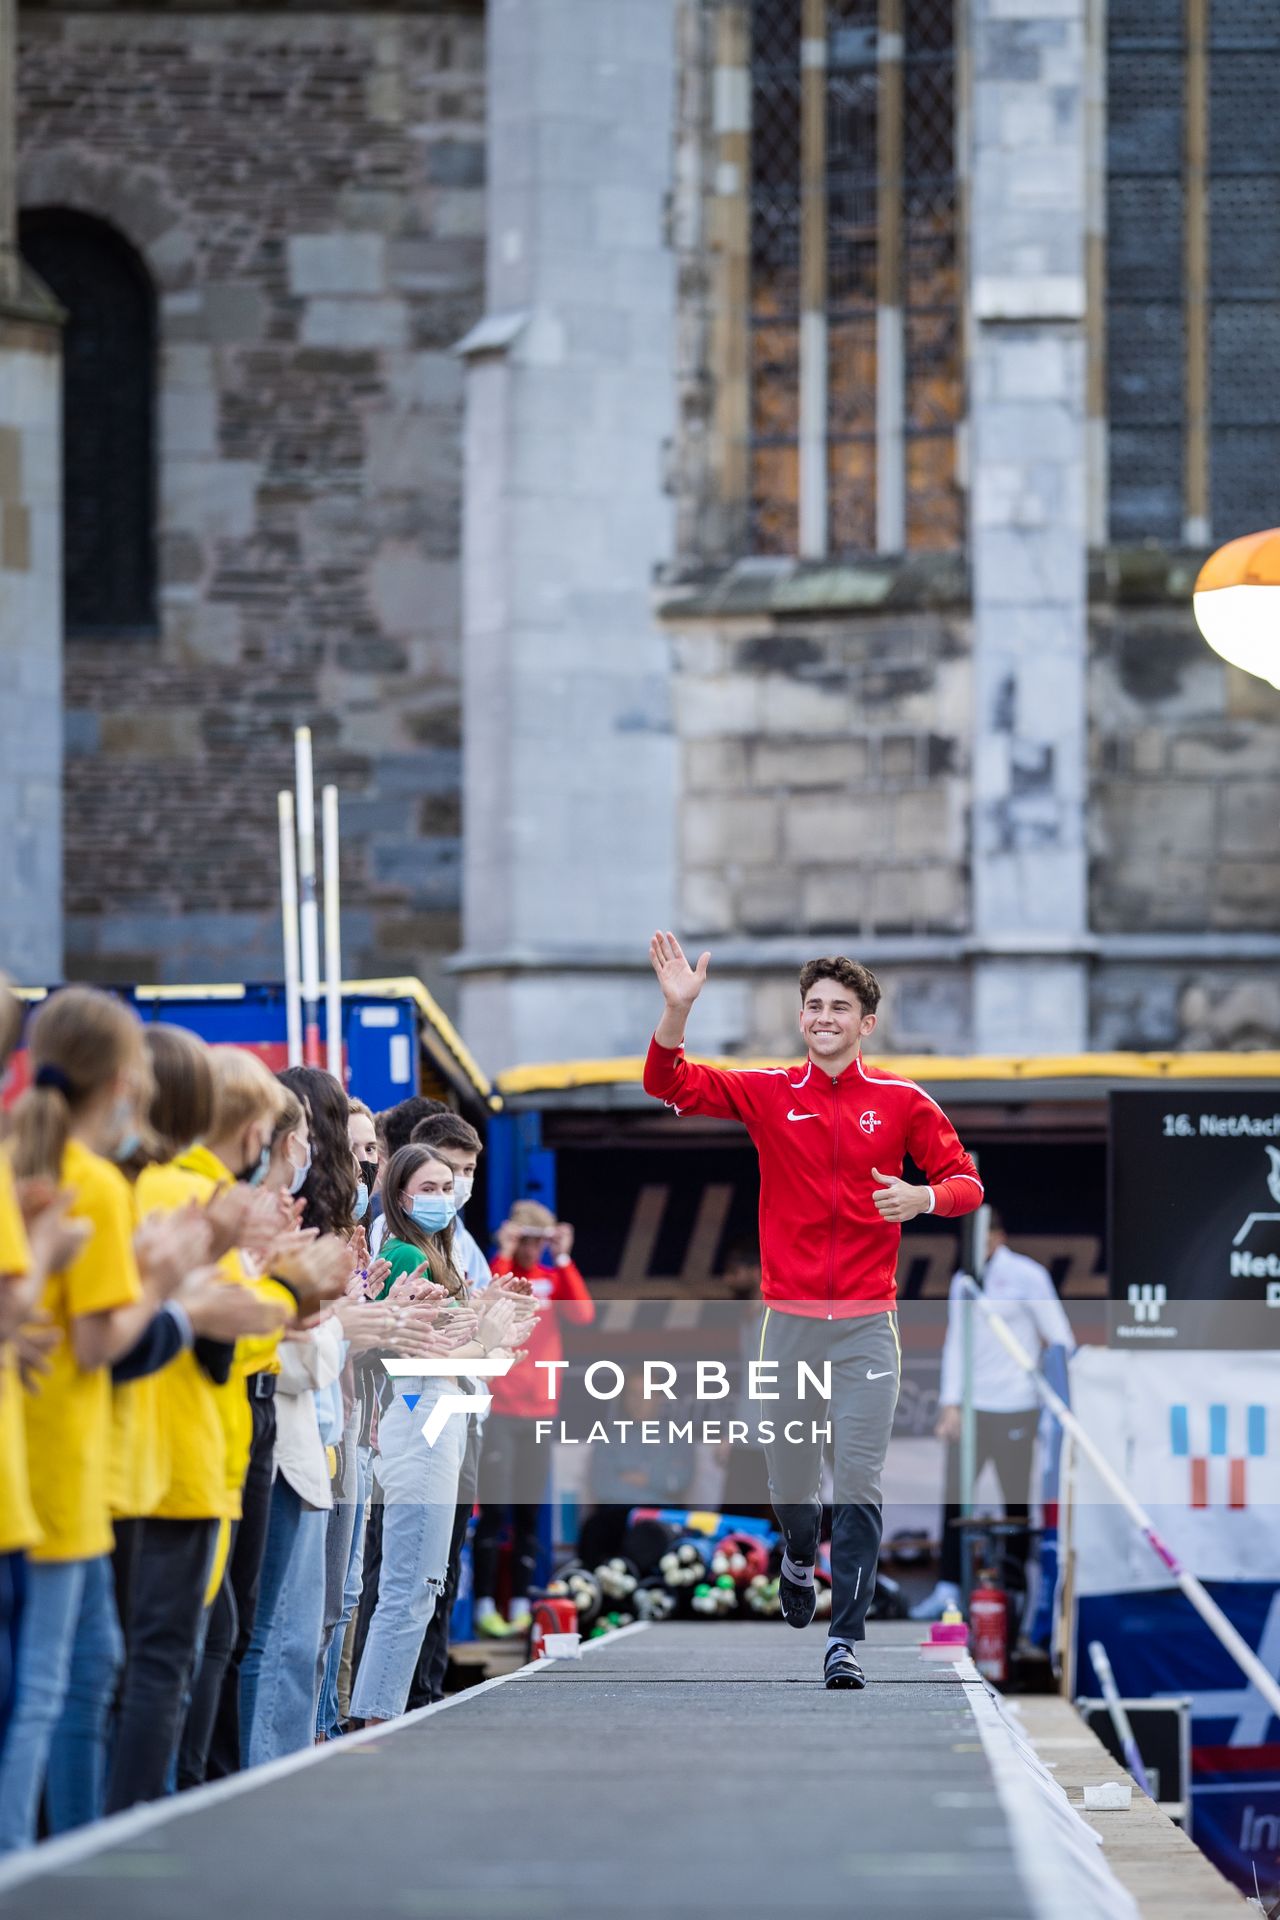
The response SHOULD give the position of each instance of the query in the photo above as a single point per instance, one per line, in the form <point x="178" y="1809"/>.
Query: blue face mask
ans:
<point x="254" y="1174"/>
<point x="361" y="1206"/>
<point x="299" y="1180"/>
<point x="130" y="1139"/>
<point x="433" y="1212"/>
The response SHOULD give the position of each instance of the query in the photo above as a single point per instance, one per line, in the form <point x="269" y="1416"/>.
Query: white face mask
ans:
<point x="463" y="1183"/>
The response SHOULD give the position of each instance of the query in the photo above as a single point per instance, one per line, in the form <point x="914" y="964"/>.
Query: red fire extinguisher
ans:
<point x="989" y="1627"/>
<point x="554" y="1613"/>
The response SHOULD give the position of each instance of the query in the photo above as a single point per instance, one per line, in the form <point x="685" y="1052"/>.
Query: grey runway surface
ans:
<point x="686" y="1770"/>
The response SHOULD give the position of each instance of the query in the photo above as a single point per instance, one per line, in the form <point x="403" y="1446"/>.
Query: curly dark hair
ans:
<point x="849" y="974"/>
<point x="330" y="1188"/>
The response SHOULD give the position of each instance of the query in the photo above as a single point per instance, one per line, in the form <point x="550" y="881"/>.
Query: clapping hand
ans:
<point x="54" y="1238"/>
<point x="169" y="1246"/>
<point x="219" y="1310"/>
<point x="318" y="1270"/>
<point x="33" y="1342"/>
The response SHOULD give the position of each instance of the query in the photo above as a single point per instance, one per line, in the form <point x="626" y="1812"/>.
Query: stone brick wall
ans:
<point x="30" y="635"/>
<point x="1184" y="837"/>
<point x="1185" y="782"/>
<point x="827" y="804"/>
<point x="824" y="780"/>
<point x="307" y="190"/>
<point x="824" y="776"/>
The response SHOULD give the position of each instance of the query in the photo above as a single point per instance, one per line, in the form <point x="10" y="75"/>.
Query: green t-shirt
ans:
<point x="403" y="1258"/>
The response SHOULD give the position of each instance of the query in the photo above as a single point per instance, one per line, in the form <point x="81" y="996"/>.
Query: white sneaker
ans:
<point x="934" y="1605"/>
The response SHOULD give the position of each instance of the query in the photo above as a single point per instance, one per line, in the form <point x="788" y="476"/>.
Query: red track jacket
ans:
<point x="824" y="1250"/>
<point x="562" y="1291"/>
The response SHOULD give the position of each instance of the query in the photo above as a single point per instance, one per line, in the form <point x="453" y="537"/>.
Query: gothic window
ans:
<point x="1193" y="268"/>
<point x="855" y="374"/>
<point x="108" y="427"/>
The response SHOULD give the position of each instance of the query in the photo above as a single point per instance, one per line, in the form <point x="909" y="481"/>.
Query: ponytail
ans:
<point x="80" y="1040"/>
<point x="41" y="1126"/>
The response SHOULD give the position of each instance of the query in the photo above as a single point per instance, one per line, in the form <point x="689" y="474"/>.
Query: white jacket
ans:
<point x="1023" y="1293"/>
<point x="306" y="1366"/>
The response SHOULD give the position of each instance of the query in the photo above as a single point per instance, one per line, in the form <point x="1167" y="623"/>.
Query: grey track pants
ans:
<point x="866" y="1365"/>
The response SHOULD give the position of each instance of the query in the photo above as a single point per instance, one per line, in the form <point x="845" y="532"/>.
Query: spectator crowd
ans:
<point x="222" y="1534"/>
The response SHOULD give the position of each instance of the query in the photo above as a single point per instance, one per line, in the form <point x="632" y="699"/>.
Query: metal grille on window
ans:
<point x="775" y="274"/>
<point x="1244" y="265"/>
<point x="1145" y="322"/>
<point x="1169" y="334"/>
<point x="926" y="407"/>
<point x="931" y="303"/>
<point x="108" y="349"/>
<point x="852" y="110"/>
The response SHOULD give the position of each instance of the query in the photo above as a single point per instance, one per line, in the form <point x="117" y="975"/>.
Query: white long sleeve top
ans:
<point x="1028" y="1301"/>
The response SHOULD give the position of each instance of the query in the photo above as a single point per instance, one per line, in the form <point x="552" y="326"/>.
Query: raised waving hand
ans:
<point x="680" y="983"/>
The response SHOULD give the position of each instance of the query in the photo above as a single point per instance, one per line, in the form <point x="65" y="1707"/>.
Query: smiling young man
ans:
<point x="832" y="1135"/>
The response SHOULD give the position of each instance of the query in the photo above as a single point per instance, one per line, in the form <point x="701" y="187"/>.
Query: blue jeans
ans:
<point x="70" y="1652"/>
<point x="420" y="1492"/>
<point x="13" y="1575"/>
<point x="278" y="1676"/>
<point x="328" y="1716"/>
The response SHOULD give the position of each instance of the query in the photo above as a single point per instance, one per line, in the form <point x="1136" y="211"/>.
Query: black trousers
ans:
<point x="428" y="1681"/>
<point x="220" y="1629"/>
<point x="164" y="1595"/>
<point x="370" y="1580"/>
<point x="1008" y="1441"/>
<point x="512" y="1460"/>
<point x="865" y="1364"/>
<point x="243" y="1576"/>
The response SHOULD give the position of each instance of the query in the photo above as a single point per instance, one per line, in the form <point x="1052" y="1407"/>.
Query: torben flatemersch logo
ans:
<point x="449" y="1403"/>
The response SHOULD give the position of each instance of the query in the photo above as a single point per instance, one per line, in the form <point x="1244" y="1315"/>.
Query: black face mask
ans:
<point x="368" y="1172"/>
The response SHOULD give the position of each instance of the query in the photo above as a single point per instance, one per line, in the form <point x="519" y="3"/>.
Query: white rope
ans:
<point x="1205" y="1605"/>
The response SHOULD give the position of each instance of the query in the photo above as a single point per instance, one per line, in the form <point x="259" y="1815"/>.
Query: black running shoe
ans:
<point x="796" y="1603"/>
<point x="841" y="1669"/>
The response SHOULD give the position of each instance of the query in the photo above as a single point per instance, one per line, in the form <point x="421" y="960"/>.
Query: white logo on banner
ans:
<point x="1193" y="1434"/>
<point x="1147" y="1301"/>
<point x="449" y="1403"/>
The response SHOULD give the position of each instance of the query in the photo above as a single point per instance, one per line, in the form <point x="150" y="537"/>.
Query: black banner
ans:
<point x="1195" y="1218"/>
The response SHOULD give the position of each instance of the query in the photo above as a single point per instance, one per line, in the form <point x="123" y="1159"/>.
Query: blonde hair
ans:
<point x="358" y="1106"/>
<point x="532" y="1218"/>
<point x="244" y="1090"/>
<point x="81" y="1040"/>
<point x="11" y="1017"/>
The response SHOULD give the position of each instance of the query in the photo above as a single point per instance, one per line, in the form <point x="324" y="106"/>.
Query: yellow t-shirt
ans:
<point x="19" y="1527"/>
<point x="68" y="1412"/>
<point x="139" y="1438"/>
<point x="258" y="1353"/>
<point x="195" y="1486"/>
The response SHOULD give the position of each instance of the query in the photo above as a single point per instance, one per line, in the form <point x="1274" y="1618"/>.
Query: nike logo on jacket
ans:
<point x="824" y="1250"/>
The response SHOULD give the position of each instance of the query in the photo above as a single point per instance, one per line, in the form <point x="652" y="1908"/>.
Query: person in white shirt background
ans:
<point x="1006" y="1410"/>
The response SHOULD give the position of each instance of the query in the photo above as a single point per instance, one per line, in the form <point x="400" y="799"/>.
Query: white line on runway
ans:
<point x="53" y="1856"/>
<point x="1058" y="1862"/>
